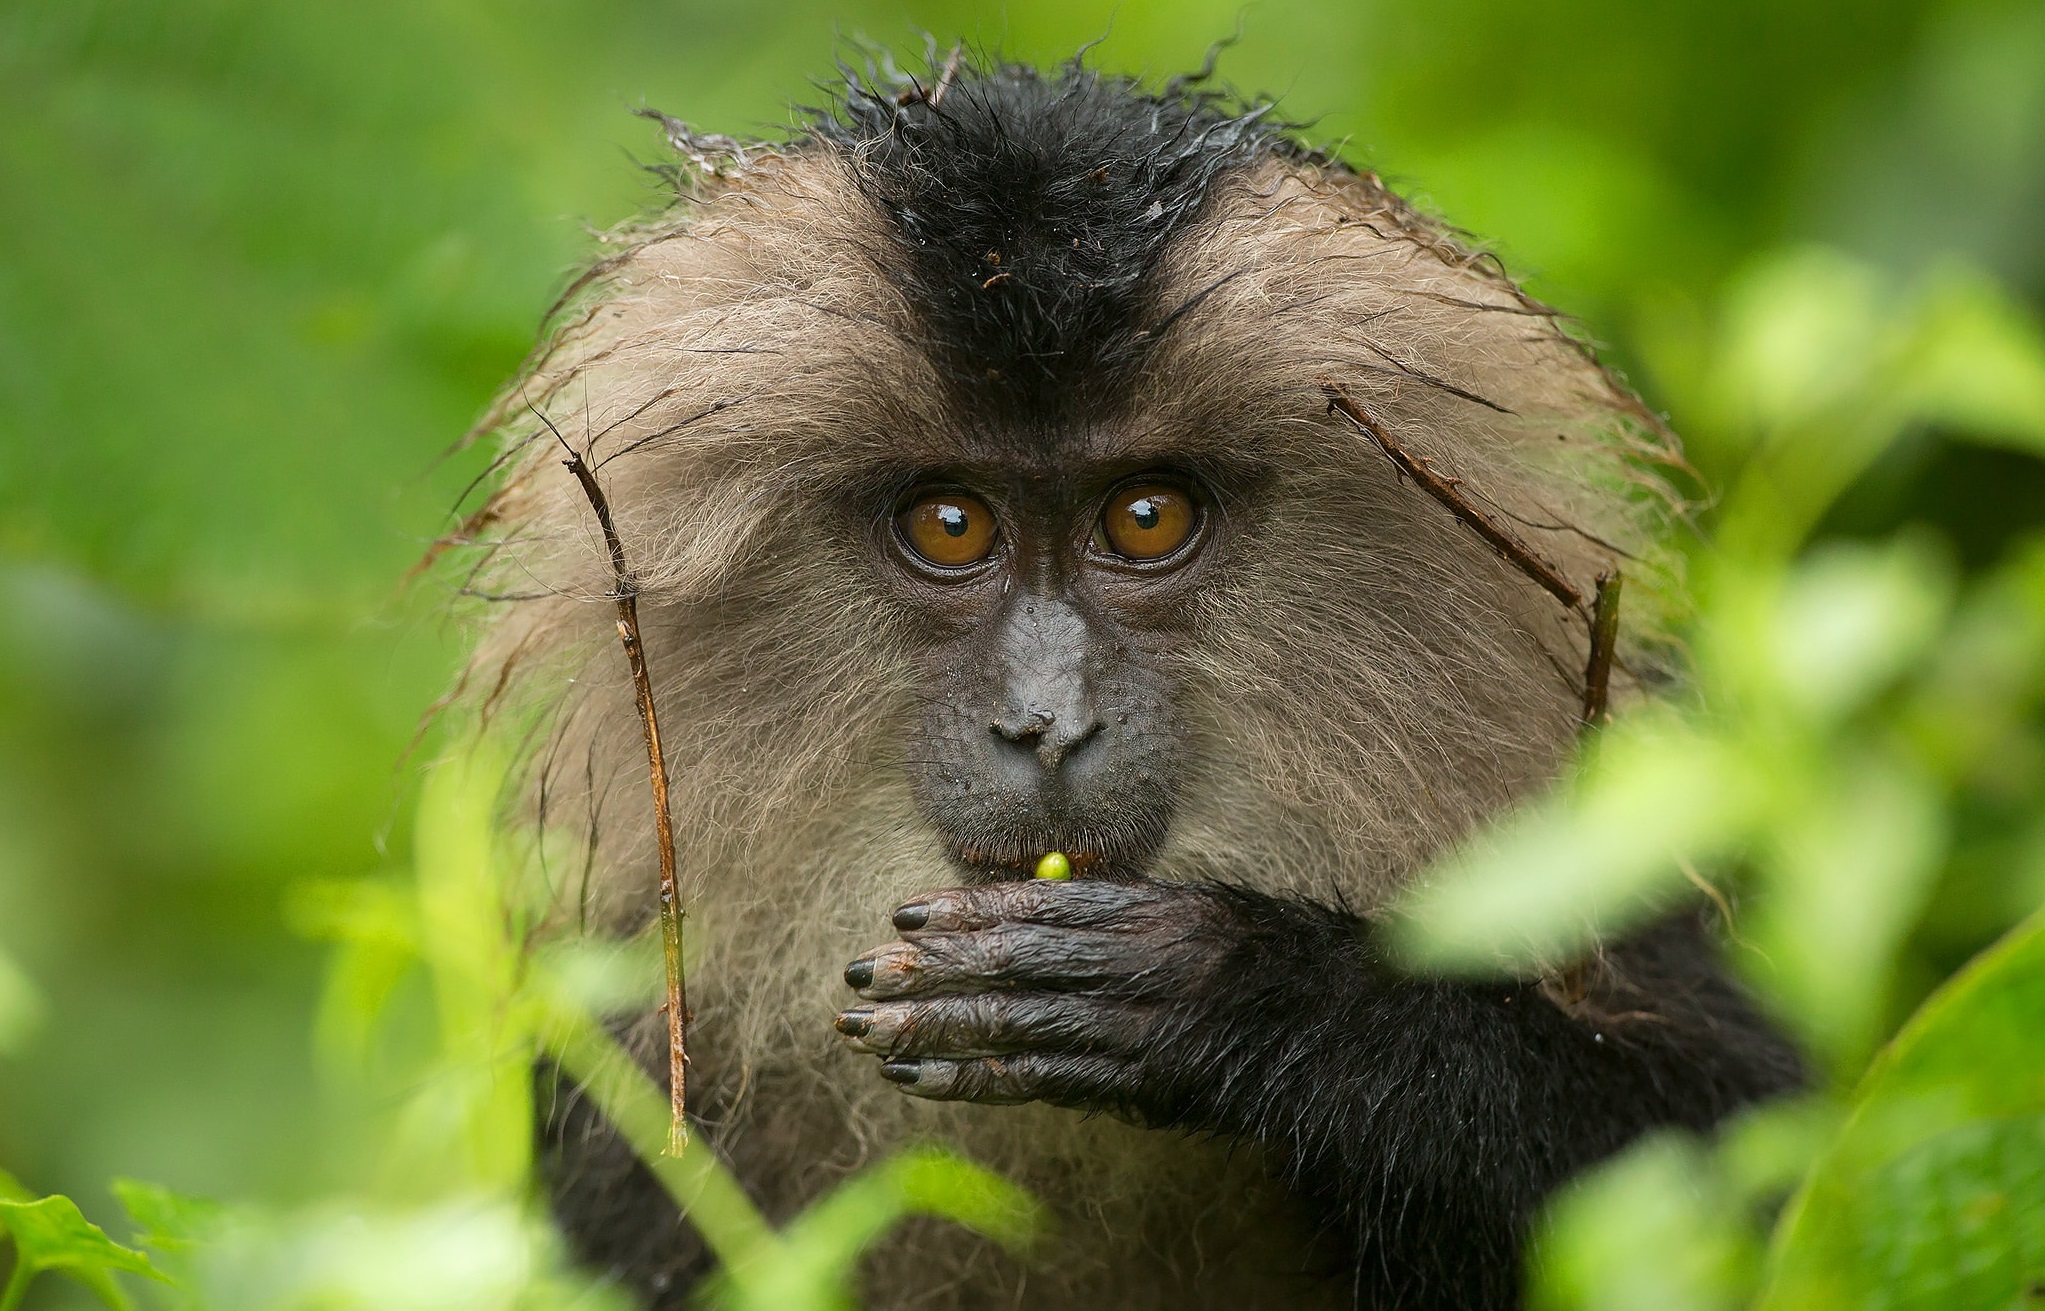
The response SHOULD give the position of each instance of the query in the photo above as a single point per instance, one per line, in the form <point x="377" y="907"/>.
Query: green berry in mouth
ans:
<point x="1055" y="865"/>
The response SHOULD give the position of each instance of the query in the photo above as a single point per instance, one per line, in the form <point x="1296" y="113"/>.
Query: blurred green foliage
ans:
<point x="452" y="1219"/>
<point x="1856" y="717"/>
<point x="261" y="264"/>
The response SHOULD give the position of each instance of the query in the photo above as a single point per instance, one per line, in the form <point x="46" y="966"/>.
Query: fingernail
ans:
<point x="859" y="973"/>
<point x="901" y="1071"/>
<point x="854" y="1024"/>
<point x="912" y="917"/>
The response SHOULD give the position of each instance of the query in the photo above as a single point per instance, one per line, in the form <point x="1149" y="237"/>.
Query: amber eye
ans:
<point x="949" y="529"/>
<point x="1148" y="520"/>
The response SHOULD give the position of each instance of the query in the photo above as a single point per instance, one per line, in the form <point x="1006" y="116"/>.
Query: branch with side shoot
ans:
<point x="625" y="594"/>
<point x="1602" y="614"/>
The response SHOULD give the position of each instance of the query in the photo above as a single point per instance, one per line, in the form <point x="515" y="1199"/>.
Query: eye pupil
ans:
<point x="953" y="520"/>
<point x="1145" y="513"/>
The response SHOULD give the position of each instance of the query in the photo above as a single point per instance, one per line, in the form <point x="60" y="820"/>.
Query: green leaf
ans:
<point x="701" y="1184"/>
<point x="1652" y="1229"/>
<point x="813" y="1264"/>
<point x="50" y="1234"/>
<point x="600" y="976"/>
<point x="1848" y="872"/>
<point x="456" y="1254"/>
<point x="1933" y="1196"/>
<point x="175" y="1228"/>
<point x="374" y="926"/>
<point x="808" y="1266"/>
<point x="1963" y="714"/>
<point x="472" y="1119"/>
<point x="1842" y="625"/>
<point x="1959" y="1220"/>
<point x="165" y="1220"/>
<point x="1802" y="335"/>
<point x="1600" y="856"/>
<point x="1978" y="365"/>
<point x="1765" y="1151"/>
<point x="1823" y="366"/>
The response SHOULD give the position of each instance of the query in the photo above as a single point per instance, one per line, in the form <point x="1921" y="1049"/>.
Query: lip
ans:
<point x="996" y="862"/>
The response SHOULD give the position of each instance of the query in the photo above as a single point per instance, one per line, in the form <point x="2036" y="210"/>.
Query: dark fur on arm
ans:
<point x="618" y="1220"/>
<point x="1430" y="1116"/>
<point x="1426" y="1116"/>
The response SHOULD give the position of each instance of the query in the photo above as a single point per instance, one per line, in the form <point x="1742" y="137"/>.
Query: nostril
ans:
<point x="1026" y="726"/>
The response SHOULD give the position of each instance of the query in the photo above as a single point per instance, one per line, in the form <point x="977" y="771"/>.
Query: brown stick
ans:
<point x="1445" y="489"/>
<point x="932" y="96"/>
<point x="951" y="70"/>
<point x="1597" y="673"/>
<point x="625" y="593"/>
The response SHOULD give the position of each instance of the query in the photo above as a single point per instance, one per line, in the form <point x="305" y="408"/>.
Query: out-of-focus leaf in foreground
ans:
<point x="1651" y="1230"/>
<point x="1669" y="1223"/>
<point x="812" y="1265"/>
<point x="1933" y="1195"/>
<point x="1820" y="364"/>
<point x="809" y="1265"/>
<point x="175" y="1229"/>
<point x="1791" y="765"/>
<point x="454" y="1255"/>
<point x="51" y="1235"/>
<point x="1595" y="858"/>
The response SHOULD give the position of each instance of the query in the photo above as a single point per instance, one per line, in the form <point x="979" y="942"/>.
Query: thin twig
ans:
<point x="915" y="94"/>
<point x="1597" y="672"/>
<point x="625" y="593"/>
<point x="951" y="70"/>
<point x="1448" y="491"/>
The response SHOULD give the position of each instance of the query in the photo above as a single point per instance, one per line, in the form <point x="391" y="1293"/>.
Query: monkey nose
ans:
<point x="1042" y="731"/>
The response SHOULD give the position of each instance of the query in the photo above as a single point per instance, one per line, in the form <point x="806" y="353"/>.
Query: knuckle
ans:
<point x="1035" y="899"/>
<point x="947" y="957"/>
<point x="950" y="910"/>
<point x="888" y="1025"/>
<point x="979" y="957"/>
<point x="998" y="1077"/>
<point x="897" y="968"/>
<point x="1001" y="950"/>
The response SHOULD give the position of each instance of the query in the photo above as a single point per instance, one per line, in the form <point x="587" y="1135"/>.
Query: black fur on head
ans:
<point x="1032" y="210"/>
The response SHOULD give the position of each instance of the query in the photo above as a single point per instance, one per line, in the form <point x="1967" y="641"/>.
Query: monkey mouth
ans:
<point x="1002" y="859"/>
<point x="993" y="837"/>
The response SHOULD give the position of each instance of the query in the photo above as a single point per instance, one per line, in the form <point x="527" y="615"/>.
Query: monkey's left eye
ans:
<point x="949" y="529"/>
<point x="1148" y="520"/>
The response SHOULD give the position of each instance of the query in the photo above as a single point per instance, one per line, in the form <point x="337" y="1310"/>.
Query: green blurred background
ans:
<point x="261" y="263"/>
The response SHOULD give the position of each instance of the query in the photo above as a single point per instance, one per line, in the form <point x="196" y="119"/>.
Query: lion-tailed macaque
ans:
<point x="974" y="454"/>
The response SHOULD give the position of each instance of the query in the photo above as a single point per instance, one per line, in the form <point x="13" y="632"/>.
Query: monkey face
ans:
<point x="1053" y="606"/>
<point x="999" y="530"/>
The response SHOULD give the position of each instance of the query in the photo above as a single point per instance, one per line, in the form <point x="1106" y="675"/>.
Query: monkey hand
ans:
<point x="1033" y="990"/>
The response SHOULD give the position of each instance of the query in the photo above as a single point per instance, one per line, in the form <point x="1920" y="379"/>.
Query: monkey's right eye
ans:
<point x="949" y="529"/>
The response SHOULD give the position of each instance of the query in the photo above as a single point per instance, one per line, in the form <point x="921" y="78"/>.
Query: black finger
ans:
<point x="1063" y="1079"/>
<point x="1080" y="903"/>
<point x="1005" y="956"/>
<point x="994" y="1024"/>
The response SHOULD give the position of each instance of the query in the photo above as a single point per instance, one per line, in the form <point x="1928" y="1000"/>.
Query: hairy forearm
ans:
<point x="1419" y="1109"/>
